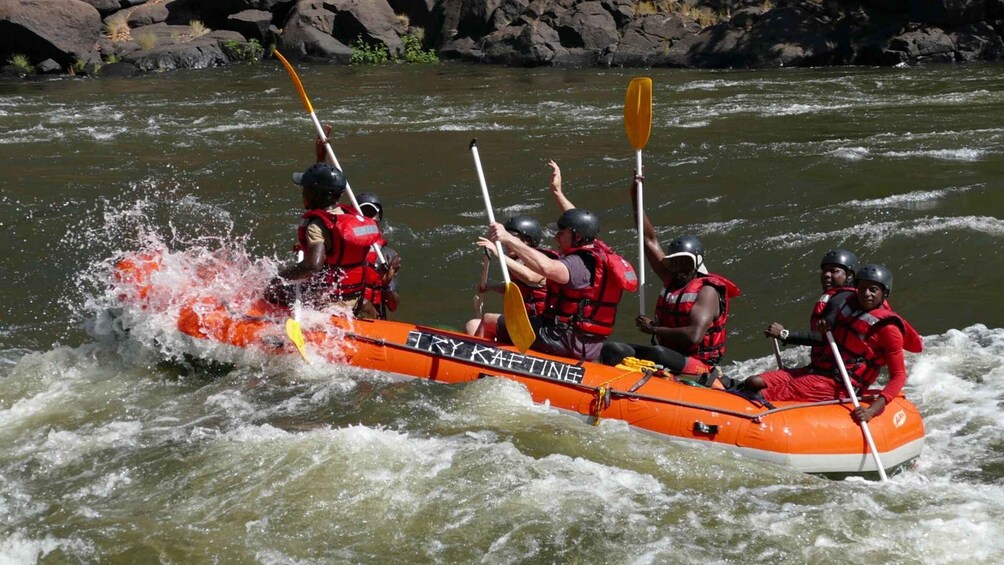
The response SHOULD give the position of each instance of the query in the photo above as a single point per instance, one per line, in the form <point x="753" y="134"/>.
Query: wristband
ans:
<point x="784" y="335"/>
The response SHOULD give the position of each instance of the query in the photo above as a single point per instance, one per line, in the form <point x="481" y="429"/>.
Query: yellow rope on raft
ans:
<point x="630" y="365"/>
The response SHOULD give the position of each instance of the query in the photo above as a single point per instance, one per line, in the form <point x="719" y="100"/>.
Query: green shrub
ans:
<point x="77" y="67"/>
<point x="366" y="54"/>
<point x="22" y="63"/>
<point x="111" y="58"/>
<point x="249" y="52"/>
<point x="413" y="53"/>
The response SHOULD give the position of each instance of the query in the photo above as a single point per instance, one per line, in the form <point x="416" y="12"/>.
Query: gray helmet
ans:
<point x="688" y="246"/>
<point x="327" y="182"/>
<point x="371" y="199"/>
<point x="581" y="222"/>
<point x="878" y="274"/>
<point x="842" y="258"/>
<point x="525" y="226"/>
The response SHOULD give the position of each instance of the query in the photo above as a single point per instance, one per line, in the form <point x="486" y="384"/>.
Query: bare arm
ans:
<point x="319" y="150"/>
<point x="563" y="202"/>
<point x="702" y="315"/>
<point x="313" y="260"/>
<point x="516" y="269"/>
<point x="653" y="251"/>
<point x="534" y="260"/>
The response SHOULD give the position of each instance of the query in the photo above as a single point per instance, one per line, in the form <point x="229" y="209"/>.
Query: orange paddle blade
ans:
<point x="638" y="112"/>
<point x="516" y="319"/>
<point x="296" y="81"/>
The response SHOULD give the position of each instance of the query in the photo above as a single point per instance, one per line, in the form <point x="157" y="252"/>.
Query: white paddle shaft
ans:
<point x="854" y="401"/>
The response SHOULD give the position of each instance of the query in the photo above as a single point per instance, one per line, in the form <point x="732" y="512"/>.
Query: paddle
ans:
<point x="777" y="352"/>
<point x="854" y="401"/>
<point x="479" y="302"/>
<point x="638" y="124"/>
<point x="513" y="308"/>
<point x="327" y="144"/>
<point x="293" y="329"/>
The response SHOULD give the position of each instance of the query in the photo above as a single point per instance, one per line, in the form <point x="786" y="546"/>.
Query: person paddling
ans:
<point x="532" y="286"/>
<point x="335" y="241"/>
<point x="869" y="336"/>
<point x="689" y="327"/>
<point x="584" y="286"/>
<point x="836" y="276"/>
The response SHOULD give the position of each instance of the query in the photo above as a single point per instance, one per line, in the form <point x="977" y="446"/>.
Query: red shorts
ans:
<point x="800" y="385"/>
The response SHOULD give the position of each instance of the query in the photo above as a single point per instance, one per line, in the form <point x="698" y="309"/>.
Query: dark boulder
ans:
<point x="199" y="53"/>
<point x="528" y="44"/>
<point x="948" y="13"/>
<point x="587" y="25"/>
<point x="649" y="41"/>
<point x="789" y="37"/>
<point x="119" y="69"/>
<point x="148" y="14"/>
<point x="977" y="42"/>
<point x="62" y="30"/>
<point x="716" y="47"/>
<point x="307" y="34"/>
<point x="370" y="21"/>
<point x="105" y="7"/>
<point x="924" y="45"/>
<point x="252" y="24"/>
<point x="48" y="67"/>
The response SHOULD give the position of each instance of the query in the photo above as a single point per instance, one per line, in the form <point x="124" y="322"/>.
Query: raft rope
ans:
<point x="606" y="394"/>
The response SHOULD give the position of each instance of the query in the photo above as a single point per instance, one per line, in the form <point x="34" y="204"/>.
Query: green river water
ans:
<point x="109" y="456"/>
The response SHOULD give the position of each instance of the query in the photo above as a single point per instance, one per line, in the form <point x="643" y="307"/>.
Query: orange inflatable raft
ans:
<point x="817" y="438"/>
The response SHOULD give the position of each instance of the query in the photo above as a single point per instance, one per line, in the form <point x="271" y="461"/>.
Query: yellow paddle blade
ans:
<point x="516" y="320"/>
<point x="638" y="112"/>
<point x="296" y="336"/>
<point x="296" y="81"/>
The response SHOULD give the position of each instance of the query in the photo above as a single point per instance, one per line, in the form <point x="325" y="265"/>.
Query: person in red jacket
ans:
<point x="836" y="275"/>
<point x="532" y="286"/>
<point x="334" y="241"/>
<point x="869" y="336"/>
<point x="688" y="328"/>
<point x="584" y="286"/>
<point x="384" y="295"/>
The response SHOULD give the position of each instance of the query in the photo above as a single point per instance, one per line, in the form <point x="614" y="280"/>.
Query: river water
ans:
<point x="109" y="454"/>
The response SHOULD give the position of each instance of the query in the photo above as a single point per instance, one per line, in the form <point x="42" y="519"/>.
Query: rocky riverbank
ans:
<point x="130" y="36"/>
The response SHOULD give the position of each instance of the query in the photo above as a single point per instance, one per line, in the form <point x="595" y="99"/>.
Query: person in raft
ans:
<point x="584" y="286"/>
<point x="532" y="286"/>
<point x="384" y="295"/>
<point x="836" y="275"/>
<point x="378" y="297"/>
<point x="869" y="335"/>
<point x="335" y="241"/>
<point x="688" y="328"/>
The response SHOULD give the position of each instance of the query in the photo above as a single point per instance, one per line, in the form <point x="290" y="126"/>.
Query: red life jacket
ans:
<point x="373" y="287"/>
<point x="820" y="356"/>
<point x="851" y="331"/>
<point x="535" y="297"/>
<point x="592" y="309"/>
<point x="344" y="273"/>
<point x="672" y="310"/>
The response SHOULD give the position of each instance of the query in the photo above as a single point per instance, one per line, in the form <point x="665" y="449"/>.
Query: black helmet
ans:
<point x="842" y="258"/>
<point x="328" y="182"/>
<point x="688" y="246"/>
<point x="581" y="222"/>
<point x="876" y="273"/>
<point x="371" y="199"/>
<point x="525" y="226"/>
